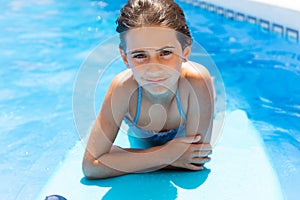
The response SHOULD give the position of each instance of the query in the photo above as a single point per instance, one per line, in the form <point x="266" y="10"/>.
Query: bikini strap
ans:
<point x="138" y="106"/>
<point x="179" y="106"/>
<point x="139" y="100"/>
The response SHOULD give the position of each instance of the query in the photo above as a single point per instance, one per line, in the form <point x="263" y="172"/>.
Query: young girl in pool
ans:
<point x="166" y="100"/>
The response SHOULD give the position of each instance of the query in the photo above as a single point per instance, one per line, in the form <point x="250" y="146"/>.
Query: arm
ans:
<point x="199" y="118"/>
<point x="120" y="161"/>
<point x="191" y="152"/>
<point x="201" y="104"/>
<point x="101" y="160"/>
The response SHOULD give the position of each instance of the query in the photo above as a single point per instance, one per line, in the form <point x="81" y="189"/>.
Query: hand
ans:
<point x="188" y="153"/>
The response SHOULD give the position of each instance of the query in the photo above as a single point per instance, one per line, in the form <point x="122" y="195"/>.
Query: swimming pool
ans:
<point x="261" y="72"/>
<point x="44" y="43"/>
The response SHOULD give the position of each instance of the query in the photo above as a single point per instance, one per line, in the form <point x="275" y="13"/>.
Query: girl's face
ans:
<point x="155" y="56"/>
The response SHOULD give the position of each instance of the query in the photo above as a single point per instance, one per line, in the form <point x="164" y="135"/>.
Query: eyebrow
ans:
<point x="143" y="51"/>
<point x="166" y="47"/>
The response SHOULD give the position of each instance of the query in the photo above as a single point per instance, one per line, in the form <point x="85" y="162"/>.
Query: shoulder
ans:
<point x="195" y="73"/>
<point x="118" y="95"/>
<point x="195" y="85"/>
<point x="123" y="83"/>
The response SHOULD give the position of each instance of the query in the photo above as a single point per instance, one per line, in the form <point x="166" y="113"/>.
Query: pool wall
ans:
<point x="271" y="16"/>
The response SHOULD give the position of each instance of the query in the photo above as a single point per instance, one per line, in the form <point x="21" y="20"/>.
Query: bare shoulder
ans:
<point x="123" y="84"/>
<point x="195" y="80"/>
<point x="195" y="73"/>
<point x="117" y="98"/>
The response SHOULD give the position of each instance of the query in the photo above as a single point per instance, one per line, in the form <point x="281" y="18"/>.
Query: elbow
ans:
<point x="91" y="176"/>
<point x="93" y="169"/>
<point x="88" y="172"/>
<point x="88" y="169"/>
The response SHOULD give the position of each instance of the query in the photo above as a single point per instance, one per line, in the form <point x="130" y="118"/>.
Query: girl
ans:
<point x="166" y="100"/>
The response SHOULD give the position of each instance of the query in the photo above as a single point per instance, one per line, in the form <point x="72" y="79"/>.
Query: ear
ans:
<point x="186" y="53"/>
<point x="124" y="57"/>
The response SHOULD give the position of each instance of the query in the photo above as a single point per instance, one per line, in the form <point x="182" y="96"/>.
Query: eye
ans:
<point x="140" y="57"/>
<point x="166" y="53"/>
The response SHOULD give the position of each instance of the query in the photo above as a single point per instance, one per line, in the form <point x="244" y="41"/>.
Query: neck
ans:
<point x="163" y="98"/>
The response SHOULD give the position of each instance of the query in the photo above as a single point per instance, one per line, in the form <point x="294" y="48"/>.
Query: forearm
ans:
<point x="125" y="161"/>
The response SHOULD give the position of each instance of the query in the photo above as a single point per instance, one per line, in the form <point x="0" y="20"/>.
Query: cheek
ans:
<point x="176" y="65"/>
<point x="135" y="64"/>
<point x="175" y="73"/>
<point x="175" y="62"/>
<point x="138" y="73"/>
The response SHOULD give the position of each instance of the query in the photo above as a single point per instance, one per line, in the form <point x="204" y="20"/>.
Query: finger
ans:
<point x="191" y="139"/>
<point x="202" y="147"/>
<point x="197" y="138"/>
<point x="200" y="160"/>
<point x="195" y="167"/>
<point x="202" y="153"/>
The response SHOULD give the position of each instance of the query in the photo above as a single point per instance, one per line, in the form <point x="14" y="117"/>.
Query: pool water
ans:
<point x="43" y="44"/>
<point x="261" y="72"/>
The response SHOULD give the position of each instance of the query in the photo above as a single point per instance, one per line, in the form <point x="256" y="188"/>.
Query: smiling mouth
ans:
<point x="156" y="81"/>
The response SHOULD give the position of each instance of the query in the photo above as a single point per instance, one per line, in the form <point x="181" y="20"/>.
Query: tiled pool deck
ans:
<point x="272" y="15"/>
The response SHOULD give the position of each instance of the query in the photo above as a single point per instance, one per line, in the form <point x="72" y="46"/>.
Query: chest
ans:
<point x="158" y="117"/>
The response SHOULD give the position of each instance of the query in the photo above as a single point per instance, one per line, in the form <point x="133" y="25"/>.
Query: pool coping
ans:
<point x="252" y="11"/>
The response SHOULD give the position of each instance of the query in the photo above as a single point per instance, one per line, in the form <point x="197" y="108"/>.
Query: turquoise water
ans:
<point x="43" y="44"/>
<point x="261" y="72"/>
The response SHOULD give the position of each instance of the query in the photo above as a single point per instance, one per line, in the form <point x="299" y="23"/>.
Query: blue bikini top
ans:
<point x="153" y="136"/>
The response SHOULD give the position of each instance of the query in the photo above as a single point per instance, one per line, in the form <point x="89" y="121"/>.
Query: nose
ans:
<point x="154" y="66"/>
<point x="153" y="59"/>
<point x="154" y="69"/>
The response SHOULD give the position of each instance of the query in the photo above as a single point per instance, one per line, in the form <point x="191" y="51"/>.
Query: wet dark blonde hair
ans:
<point x="139" y="13"/>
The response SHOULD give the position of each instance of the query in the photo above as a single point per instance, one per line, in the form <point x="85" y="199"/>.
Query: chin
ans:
<point x="156" y="89"/>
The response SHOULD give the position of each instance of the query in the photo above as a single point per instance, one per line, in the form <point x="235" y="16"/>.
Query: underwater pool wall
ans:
<point x="276" y="16"/>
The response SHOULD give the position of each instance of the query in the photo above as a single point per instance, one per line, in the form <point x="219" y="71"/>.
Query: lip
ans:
<point x="156" y="81"/>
